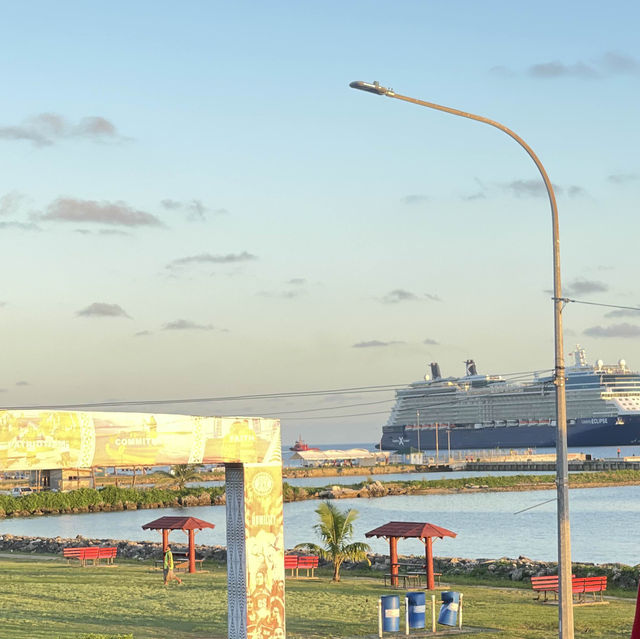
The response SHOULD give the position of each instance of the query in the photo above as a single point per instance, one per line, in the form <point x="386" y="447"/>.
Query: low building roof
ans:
<point x="336" y="455"/>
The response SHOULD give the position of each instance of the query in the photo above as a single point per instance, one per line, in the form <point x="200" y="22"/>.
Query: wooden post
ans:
<point x="93" y="477"/>
<point x="133" y="478"/>
<point x="192" y="551"/>
<point x="165" y="540"/>
<point x="428" y="550"/>
<point x="393" y="560"/>
<point x="115" y="473"/>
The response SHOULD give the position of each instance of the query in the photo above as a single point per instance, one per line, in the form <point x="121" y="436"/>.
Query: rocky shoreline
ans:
<point x="516" y="570"/>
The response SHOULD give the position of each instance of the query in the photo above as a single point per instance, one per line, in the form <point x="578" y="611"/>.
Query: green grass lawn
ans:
<point x="50" y="599"/>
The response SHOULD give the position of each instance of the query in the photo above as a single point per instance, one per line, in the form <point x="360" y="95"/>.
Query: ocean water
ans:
<point x="489" y="525"/>
<point x="603" y="523"/>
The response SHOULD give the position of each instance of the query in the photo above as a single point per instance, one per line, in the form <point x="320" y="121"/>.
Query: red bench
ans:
<point x="580" y="586"/>
<point x="90" y="553"/>
<point x="304" y="562"/>
<point x="291" y="563"/>
<point x="308" y="563"/>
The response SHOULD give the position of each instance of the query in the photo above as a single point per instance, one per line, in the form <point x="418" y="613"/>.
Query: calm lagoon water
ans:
<point x="603" y="523"/>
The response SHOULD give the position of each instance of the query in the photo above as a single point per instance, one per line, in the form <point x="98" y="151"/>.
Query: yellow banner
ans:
<point x="47" y="439"/>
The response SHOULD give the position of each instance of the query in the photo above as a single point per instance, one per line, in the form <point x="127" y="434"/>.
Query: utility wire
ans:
<point x="627" y="308"/>
<point x="542" y="503"/>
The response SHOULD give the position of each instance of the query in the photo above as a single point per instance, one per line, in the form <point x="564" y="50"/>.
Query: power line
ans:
<point x="567" y="300"/>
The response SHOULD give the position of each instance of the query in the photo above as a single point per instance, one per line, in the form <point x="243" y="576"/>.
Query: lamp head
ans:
<point x="371" y="87"/>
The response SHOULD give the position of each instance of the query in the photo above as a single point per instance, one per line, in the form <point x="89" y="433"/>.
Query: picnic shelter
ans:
<point x="424" y="531"/>
<point x="187" y="524"/>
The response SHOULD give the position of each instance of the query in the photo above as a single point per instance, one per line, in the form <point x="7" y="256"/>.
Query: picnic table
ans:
<point x="409" y="573"/>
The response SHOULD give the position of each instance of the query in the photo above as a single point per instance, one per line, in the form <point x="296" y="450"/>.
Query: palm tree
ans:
<point x="336" y="529"/>
<point x="179" y="475"/>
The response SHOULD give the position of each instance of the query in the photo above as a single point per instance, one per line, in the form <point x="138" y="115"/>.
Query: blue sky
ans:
<point x="195" y="204"/>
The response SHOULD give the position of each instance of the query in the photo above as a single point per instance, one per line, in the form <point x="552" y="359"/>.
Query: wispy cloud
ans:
<point x="285" y="295"/>
<point x="46" y="129"/>
<point x="537" y="188"/>
<point x="583" y="287"/>
<point x="208" y="258"/>
<point x="102" y="309"/>
<point x="615" y="330"/>
<point x="92" y="212"/>
<point x="187" y="325"/>
<point x="22" y="383"/>
<point x="142" y="333"/>
<point x="623" y="178"/>
<point x="375" y="344"/>
<point x="430" y="342"/>
<point x="556" y="69"/>
<point x="194" y="209"/>
<point x="297" y="281"/>
<point x="21" y="226"/>
<point x="624" y="312"/>
<point x="10" y="203"/>
<point x="399" y="295"/>
<point x="607" y="65"/>
<point x="414" y="199"/>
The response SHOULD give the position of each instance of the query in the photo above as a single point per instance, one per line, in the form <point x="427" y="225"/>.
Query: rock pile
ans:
<point x="520" y="569"/>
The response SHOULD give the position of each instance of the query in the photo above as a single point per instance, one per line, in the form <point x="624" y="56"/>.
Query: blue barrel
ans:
<point x="449" y="609"/>
<point x="390" y="613"/>
<point x="417" y="607"/>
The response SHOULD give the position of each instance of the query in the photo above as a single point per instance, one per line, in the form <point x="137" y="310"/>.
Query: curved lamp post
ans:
<point x="565" y="608"/>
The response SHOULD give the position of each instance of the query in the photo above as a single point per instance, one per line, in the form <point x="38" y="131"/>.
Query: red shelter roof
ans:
<point x="410" y="529"/>
<point x="177" y="523"/>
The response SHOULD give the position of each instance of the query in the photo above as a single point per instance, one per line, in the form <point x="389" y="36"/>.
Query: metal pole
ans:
<point x="565" y="602"/>
<point x="406" y="615"/>
<point x="418" y="423"/>
<point x="433" y="614"/>
<point x="437" y="447"/>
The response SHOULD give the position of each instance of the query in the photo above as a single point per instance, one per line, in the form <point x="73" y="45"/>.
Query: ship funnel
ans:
<point x="435" y="370"/>
<point x="471" y="367"/>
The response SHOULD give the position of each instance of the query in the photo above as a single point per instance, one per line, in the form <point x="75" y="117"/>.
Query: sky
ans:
<point x="194" y="204"/>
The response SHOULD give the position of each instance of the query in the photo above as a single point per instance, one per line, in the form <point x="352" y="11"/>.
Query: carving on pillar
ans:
<point x="236" y="552"/>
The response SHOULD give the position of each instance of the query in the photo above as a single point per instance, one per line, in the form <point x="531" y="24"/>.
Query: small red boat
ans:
<point x="301" y="445"/>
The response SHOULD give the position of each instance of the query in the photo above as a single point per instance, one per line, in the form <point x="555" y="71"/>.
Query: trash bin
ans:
<point x="390" y="613"/>
<point x="449" y="610"/>
<point x="417" y="607"/>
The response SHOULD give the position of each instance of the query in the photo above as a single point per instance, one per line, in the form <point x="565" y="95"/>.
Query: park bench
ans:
<point x="90" y="553"/>
<point x="291" y="563"/>
<point x="580" y="586"/>
<point x="308" y="563"/>
<point x="301" y="562"/>
<point x="594" y="585"/>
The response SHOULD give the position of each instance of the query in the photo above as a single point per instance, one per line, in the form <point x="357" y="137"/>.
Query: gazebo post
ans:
<point x="165" y="540"/>
<point x="393" y="560"/>
<point x="192" y="551"/>
<point x="428" y="551"/>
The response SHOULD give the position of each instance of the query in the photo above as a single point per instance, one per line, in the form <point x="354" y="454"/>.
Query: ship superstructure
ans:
<point x="489" y="411"/>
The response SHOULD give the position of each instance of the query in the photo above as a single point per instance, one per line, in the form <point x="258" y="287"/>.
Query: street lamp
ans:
<point x="565" y="607"/>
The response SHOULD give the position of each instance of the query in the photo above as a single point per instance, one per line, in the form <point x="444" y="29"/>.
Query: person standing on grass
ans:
<point x="168" y="567"/>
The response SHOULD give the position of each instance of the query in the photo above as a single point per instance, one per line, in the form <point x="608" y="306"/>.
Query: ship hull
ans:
<point x="597" y="431"/>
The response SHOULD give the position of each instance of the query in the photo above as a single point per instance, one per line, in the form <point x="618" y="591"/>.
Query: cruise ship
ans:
<point x="490" y="411"/>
